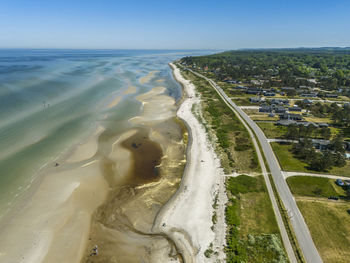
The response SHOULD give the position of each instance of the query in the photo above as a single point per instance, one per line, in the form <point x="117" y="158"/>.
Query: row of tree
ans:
<point x="296" y="132"/>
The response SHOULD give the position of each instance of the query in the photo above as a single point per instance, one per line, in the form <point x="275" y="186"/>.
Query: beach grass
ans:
<point x="329" y="224"/>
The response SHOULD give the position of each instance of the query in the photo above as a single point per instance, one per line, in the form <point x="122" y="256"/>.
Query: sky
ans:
<point x="174" y="24"/>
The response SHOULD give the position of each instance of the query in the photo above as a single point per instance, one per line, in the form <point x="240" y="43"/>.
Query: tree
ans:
<point x="325" y="133"/>
<point x="337" y="144"/>
<point x="339" y="159"/>
<point x="292" y="132"/>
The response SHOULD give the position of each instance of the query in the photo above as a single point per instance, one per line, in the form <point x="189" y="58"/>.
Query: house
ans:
<point x="291" y="116"/>
<point x="270" y="94"/>
<point x="255" y="99"/>
<point x="285" y="122"/>
<point x="309" y="95"/>
<point x="253" y="90"/>
<point x="285" y="89"/>
<point x="323" y="125"/>
<point x="294" y="108"/>
<point x="303" y="89"/>
<point x="271" y="114"/>
<point x="339" y="182"/>
<point x="279" y="109"/>
<point x="265" y="108"/>
<point x="279" y="101"/>
<point x="307" y="101"/>
<point x="331" y="95"/>
<point x="347" y="156"/>
<point x="321" y="145"/>
<point x="231" y="81"/>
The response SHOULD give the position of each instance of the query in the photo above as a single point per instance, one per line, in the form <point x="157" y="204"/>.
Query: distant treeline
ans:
<point x="280" y="67"/>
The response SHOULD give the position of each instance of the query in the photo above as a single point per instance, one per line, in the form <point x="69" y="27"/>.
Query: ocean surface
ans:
<point x="51" y="99"/>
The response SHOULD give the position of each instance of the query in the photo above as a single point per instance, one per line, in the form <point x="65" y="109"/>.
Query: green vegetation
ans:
<point x="289" y="162"/>
<point x="287" y="224"/>
<point x="253" y="232"/>
<point x="320" y="161"/>
<point x="280" y="67"/>
<point x="243" y="102"/>
<point x="271" y="130"/>
<point x="314" y="186"/>
<point x="233" y="142"/>
<point x="329" y="224"/>
<point x="286" y="159"/>
<point x="209" y="251"/>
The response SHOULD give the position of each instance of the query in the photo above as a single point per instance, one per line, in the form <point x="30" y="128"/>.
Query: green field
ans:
<point x="314" y="186"/>
<point x="271" y="130"/>
<point x="289" y="163"/>
<point x="329" y="224"/>
<point x="253" y="231"/>
<point x="244" y="101"/>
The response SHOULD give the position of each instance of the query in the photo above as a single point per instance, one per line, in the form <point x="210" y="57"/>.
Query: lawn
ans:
<point x="329" y="224"/>
<point x="289" y="163"/>
<point x="314" y="186"/>
<point x="317" y="119"/>
<point x="253" y="232"/>
<point x="271" y="130"/>
<point x="286" y="159"/>
<point x="263" y="117"/>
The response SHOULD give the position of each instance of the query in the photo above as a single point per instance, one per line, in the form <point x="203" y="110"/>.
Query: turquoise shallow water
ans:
<point x="51" y="99"/>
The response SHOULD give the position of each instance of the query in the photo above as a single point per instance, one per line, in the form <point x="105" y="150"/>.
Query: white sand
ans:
<point x="188" y="215"/>
<point x="157" y="107"/>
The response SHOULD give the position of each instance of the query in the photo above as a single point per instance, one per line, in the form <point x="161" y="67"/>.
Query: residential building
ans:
<point x="294" y="108"/>
<point x="255" y="99"/>
<point x="279" y="109"/>
<point x="291" y="116"/>
<point x="253" y="90"/>
<point x="265" y="108"/>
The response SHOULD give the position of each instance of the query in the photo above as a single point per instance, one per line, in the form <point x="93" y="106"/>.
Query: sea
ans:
<point x="50" y="100"/>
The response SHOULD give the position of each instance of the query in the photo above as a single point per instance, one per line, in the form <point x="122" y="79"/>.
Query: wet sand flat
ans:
<point x="152" y="164"/>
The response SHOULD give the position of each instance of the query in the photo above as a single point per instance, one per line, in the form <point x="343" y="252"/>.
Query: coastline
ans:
<point x="187" y="216"/>
<point x="68" y="195"/>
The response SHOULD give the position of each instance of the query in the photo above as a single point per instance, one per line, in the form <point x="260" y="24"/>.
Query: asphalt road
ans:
<point x="300" y="228"/>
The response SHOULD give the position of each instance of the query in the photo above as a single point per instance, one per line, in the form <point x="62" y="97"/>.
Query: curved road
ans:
<point x="300" y="228"/>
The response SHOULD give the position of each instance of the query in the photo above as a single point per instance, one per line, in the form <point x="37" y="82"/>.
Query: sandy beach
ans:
<point x="187" y="217"/>
<point x="114" y="156"/>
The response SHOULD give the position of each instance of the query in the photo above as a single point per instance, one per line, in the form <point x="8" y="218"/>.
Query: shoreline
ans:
<point x="66" y="197"/>
<point x="187" y="217"/>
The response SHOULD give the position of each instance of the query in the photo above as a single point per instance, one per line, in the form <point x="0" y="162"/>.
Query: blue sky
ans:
<point x="175" y="24"/>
